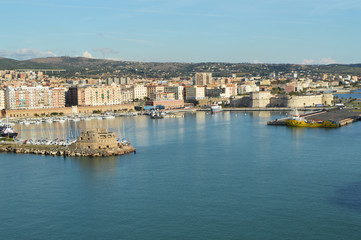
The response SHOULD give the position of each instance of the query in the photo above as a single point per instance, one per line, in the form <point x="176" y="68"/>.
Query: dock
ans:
<point x="343" y="116"/>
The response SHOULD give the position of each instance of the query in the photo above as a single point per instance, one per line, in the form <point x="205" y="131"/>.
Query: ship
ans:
<point x="216" y="108"/>
<point x="155" y="114"/>
<point x="296" y="120"/>
<point x="6" y="131"/>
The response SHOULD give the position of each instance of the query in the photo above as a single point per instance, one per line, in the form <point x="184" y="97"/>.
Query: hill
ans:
<point x="91" y="67"/>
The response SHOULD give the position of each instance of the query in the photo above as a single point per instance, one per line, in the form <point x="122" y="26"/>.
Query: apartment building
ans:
<point x="139" y="91"/>
<point x="2" y="99"/>
<point x="34" y="97"/>
<point x="94" y="96"/>
<point x="152" y="89"/>
<point x="162" y="96"/>
<point x="177" y="90"/>
<point x="195" y="92"/>
<point x="203" y="78"/>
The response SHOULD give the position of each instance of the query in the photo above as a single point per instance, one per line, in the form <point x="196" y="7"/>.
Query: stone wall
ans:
<point x="66" y="110"/>
<point x="260" y="99"/>
<point x="265" y="99"/>
<point x="240" y="101"/>
<point x="96" y="139"/>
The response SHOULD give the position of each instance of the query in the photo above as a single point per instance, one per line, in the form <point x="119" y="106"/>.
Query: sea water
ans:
<point x="221" y="176"/>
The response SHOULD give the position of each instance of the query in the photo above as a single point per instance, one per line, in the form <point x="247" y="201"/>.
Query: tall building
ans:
<point x="2" y="99"/>
<point x="177" y="90"/>
<point x="118" y="80"/>
<point x="203" y="79"/>
<point x="153" y="89"/>
<point x="195" y="92"/>
<point x="94" y="96"/>
<point x="34" y="97"/>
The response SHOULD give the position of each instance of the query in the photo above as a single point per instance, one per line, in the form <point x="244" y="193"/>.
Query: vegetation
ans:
<point x="86" y="67"/>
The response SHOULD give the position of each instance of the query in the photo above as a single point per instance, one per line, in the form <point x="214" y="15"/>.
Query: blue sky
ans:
<point x="267" y="31"/>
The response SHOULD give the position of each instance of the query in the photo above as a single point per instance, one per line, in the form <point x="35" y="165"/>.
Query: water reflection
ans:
<point x="98" y="165"/>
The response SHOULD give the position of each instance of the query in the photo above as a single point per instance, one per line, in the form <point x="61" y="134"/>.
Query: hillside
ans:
<point x="90" y="67"/>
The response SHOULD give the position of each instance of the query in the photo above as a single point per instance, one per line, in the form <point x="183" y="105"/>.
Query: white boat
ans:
<point x="108" y="117"/>
<point x="216" y="108"/>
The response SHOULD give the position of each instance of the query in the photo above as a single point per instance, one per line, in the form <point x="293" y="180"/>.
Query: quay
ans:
<point x="343" y="117"/>
<point x="90" y="143"/>
<point x="272" y="109"/>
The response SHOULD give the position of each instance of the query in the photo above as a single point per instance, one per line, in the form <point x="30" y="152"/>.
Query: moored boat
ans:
<point x="216" y="108"/>
<point x="7" y="131"/>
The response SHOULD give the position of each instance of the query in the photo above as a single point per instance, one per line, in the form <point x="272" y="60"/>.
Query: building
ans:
<point x="260" y="99"/>
<point x="96" y="139"/>
<point x="244" y="89"/>
<point x="139" y="91"/>
<point x="34" y="97"/>
<point x="203" y="78"/>
<point x="94" y="96"/>
<point x="127" y="95"/>
<point x="177" y="90"/>
<point x="168" y="104"/>
<point x="2" y="99"/>
<point x="118" y="81"/>
<point x="162" y="96"/>
<point x="214" y="92"/>
<point x="152" y="89"/>
<point x="195" y="92"/>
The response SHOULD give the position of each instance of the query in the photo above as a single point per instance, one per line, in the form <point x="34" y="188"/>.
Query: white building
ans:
<point x="195" y="92"/>
<point x="177" y="90"/>
<point x="243" y="89"/>
<point x="139" y="92"/>
<point x="2" y="99"/>
<point x="127" y="96"/>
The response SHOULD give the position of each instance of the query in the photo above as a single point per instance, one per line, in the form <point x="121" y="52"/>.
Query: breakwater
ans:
<point x="64" y="150"/>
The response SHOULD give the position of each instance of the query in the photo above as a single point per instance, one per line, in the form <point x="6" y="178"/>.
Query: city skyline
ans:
<point x="307" y="32"/>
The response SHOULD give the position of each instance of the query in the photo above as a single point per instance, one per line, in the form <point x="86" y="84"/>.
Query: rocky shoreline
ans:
<point x="64" y="150"/>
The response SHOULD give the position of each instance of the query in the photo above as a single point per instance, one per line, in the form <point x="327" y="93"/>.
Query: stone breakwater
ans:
<point x="64" y="151"/>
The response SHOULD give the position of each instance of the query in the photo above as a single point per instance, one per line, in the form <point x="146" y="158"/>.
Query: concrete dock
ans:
<point x="343" y="116"/>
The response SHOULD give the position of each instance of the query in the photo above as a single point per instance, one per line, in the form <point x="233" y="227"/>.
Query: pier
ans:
<point x="343" y="116"/>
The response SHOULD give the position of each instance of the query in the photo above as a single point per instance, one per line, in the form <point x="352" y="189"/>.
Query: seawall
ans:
<point x="64" y="150"/>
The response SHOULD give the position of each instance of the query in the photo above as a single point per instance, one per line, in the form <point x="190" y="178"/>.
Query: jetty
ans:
<point x="342" y="116"/>
<point x="90" y="143"/>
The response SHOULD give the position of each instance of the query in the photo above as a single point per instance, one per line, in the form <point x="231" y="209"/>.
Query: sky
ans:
<point x="254" y="31"/>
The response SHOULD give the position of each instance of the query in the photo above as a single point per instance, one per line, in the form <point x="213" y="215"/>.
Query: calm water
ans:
<point x="356" y="94"/>
<point x="226" y="176"/>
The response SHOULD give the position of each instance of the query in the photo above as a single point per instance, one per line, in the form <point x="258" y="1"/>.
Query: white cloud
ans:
<point x="327" y="61"/>
<point x="308" y="61"/>
<point x="106" y="51"/>
<point x="26" y="53"/>
<point x="87" y="54"/>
